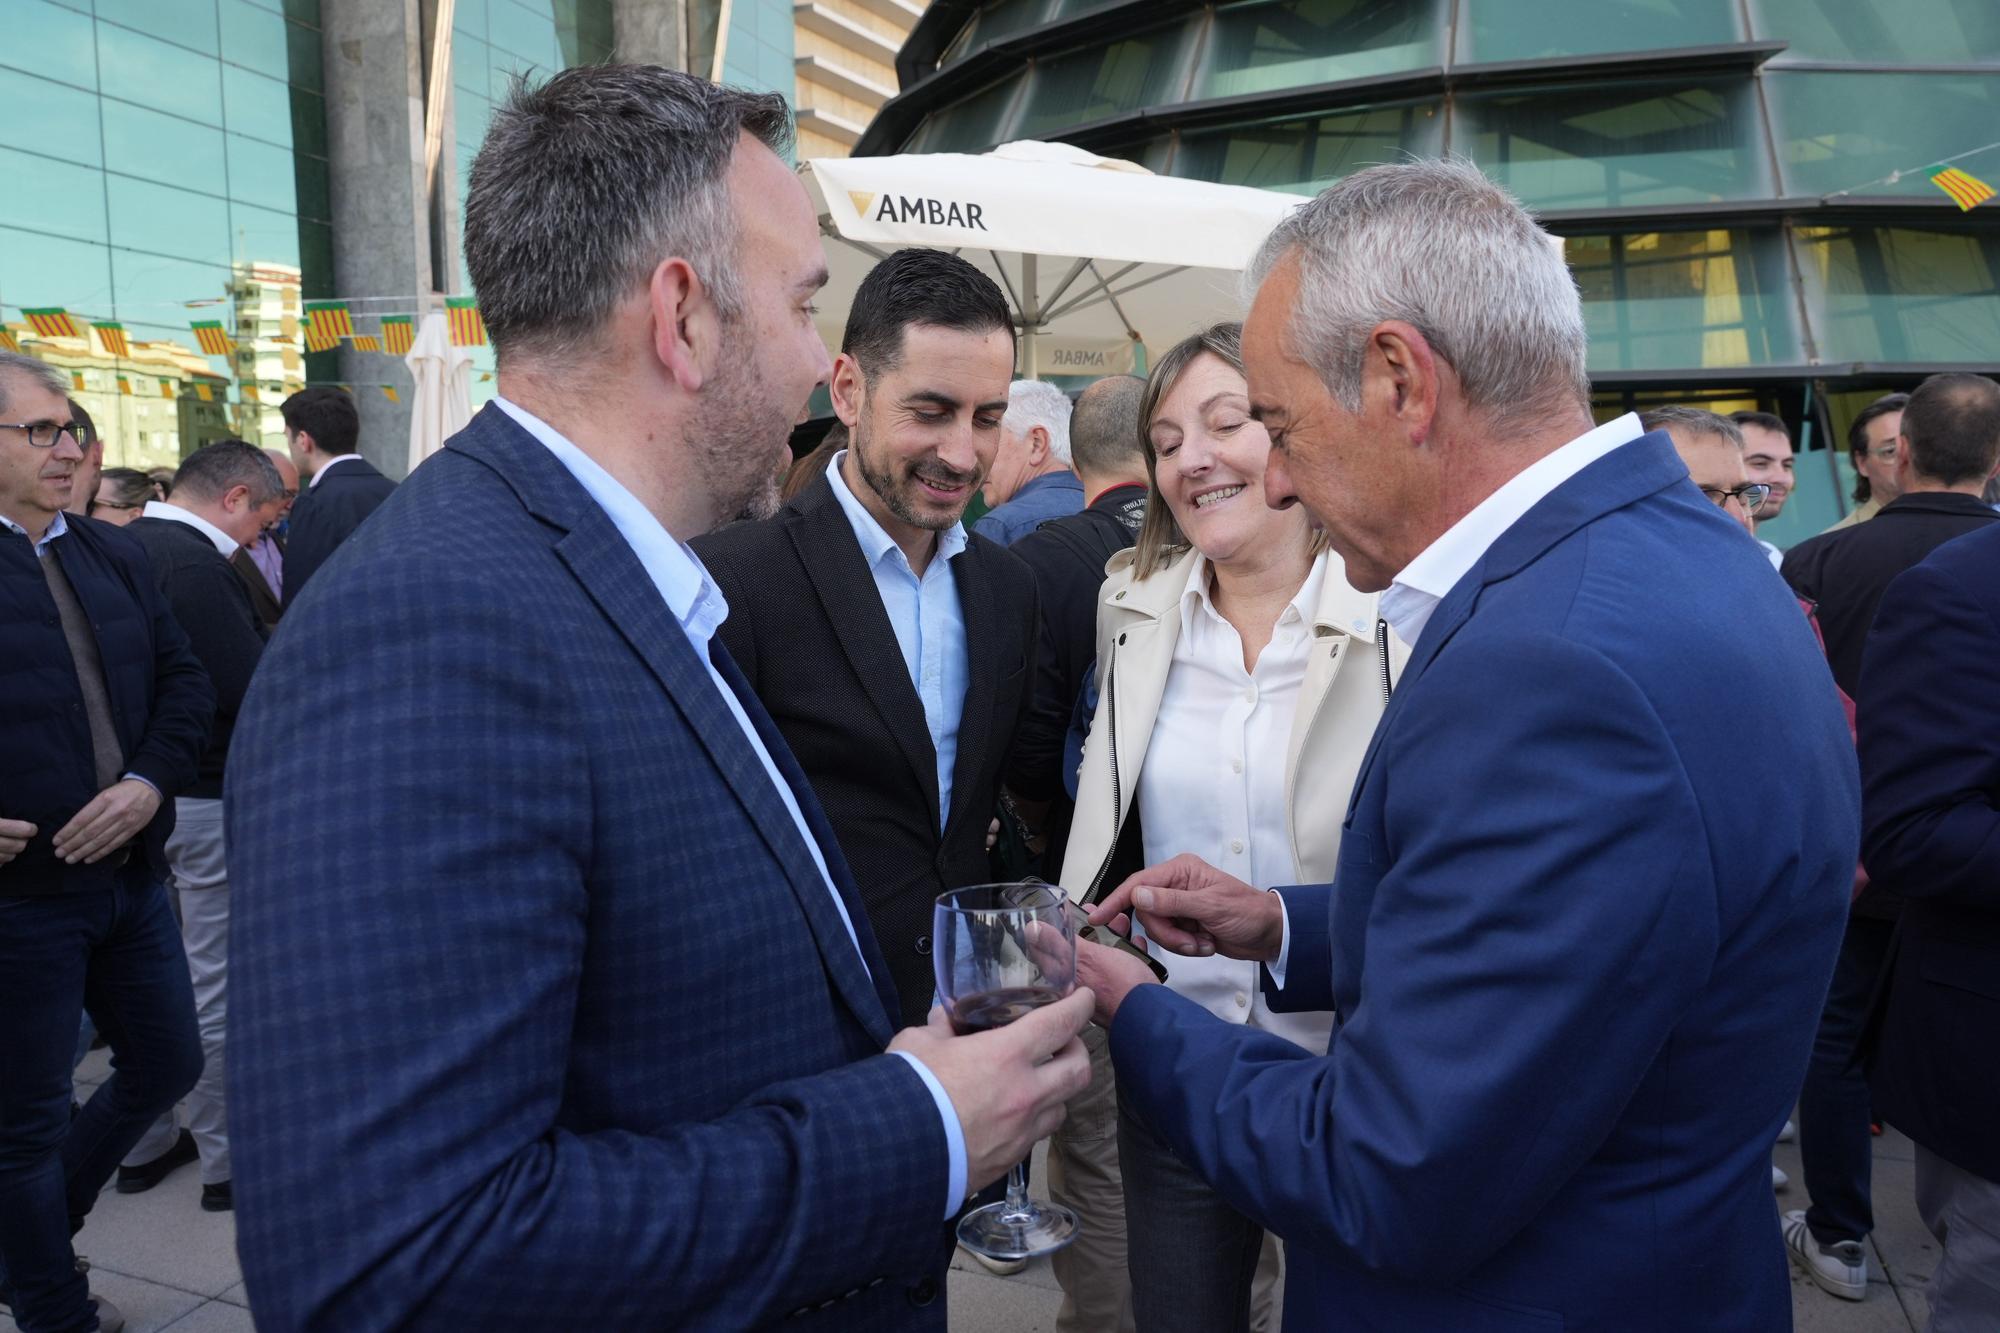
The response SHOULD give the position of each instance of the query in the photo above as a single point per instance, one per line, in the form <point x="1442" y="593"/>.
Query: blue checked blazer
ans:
<point x="541" y="1016"/>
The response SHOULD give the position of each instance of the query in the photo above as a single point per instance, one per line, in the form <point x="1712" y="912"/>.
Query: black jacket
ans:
<point x="1930" y="790"/>
<point x="209" y="599"/>
<point x="326" y="514"/>
<point x="161" y="701"/>
<point x="807" y="627"/>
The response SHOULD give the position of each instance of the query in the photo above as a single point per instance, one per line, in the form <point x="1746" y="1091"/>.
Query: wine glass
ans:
<point x="1002" y="951"/>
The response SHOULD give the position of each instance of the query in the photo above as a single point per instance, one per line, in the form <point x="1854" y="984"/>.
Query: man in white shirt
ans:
<point x="1556" y="925"/>
<point x="1767" y="459"/>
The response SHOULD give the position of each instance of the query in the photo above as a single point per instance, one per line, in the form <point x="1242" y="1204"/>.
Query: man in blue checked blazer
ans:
<point x="1576" y="970"/>
<point x="554" y="1004"/>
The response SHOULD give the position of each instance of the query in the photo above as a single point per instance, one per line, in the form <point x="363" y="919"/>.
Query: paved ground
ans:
<point x="167" y="1264"/>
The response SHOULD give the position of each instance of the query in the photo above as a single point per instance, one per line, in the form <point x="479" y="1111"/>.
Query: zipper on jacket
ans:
<point x="1382" y="651"/>
<point x="1117" y="795"/>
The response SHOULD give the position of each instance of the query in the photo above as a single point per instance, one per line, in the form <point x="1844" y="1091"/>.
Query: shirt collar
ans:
<point x="57" y="527"/>
<point x="876" y="543"/>
<point x="328" y="466"/>
<point x="1300" y="611"/>
<point x="676" y="571"/>
<point x="1414" y="594"/>
<point x="173" y="513"/>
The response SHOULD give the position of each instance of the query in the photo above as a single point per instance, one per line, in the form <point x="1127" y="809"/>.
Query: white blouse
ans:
<point x="1213" y="782"/>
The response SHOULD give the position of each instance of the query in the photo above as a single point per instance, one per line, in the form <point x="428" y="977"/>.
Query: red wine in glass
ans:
<point x="1003" y="951"/>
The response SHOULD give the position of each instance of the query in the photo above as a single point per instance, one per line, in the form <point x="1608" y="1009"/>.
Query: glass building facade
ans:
<point x="1739" y="183"/>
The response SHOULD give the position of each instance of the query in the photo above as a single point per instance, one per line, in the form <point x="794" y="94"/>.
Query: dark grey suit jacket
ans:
<point x="326" y="515"/>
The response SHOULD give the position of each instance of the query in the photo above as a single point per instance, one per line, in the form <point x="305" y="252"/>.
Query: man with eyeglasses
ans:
<point x="103" y="714"/>
<point x="1712" y="447"/>
<point x="1950" y="447"/>
<point x="1874" y="445"/>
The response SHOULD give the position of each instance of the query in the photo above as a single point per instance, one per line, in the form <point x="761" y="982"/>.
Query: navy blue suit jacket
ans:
<point x="1589" y="892"/>
<point x="541" y="1016"/>
<point x="1929" y="715"/>
<point x="325" y="515"/>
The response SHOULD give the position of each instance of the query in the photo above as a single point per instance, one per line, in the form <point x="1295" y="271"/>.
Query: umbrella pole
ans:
<point x="1031" y="315"/>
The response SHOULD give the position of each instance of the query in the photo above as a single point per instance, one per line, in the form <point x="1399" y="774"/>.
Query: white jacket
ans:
<point x="1340" y="702"/>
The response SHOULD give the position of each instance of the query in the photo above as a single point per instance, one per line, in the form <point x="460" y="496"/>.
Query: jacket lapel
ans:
<point x="827" y="547"/>
<point x="983" y="650"/>
<point x="598" y="555"/>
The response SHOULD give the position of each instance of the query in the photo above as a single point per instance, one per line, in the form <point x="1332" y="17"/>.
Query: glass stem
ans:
<point x="1017" y="1191"/>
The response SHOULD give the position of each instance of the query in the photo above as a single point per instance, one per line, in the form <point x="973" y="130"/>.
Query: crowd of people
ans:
<point x="529" y="923"/>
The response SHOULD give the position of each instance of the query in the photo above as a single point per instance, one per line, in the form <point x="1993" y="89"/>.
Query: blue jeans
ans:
<point x="1834" y="1142"/>
<point x="118" y="953"/>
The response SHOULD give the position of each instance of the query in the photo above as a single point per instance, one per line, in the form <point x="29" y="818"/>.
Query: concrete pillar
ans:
<point x="650" y="32"/>
<point x="373" y="53"/>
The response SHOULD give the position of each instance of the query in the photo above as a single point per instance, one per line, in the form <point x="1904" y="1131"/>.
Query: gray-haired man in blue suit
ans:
<point x="556" y="1006"/>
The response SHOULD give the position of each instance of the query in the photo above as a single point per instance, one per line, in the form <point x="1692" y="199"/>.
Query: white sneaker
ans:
<point x="1840" y="1269"/>
<point x="1778" y="1178"/>
<point x="1789" y="1132"/>
<point x="999" y="1267"/>
<point x="109" y="1320"/>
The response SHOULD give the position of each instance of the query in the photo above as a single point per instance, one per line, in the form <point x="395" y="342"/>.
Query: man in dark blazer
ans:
<point x="1930" y="770"/>
<point x="342" y="488"/>
<point x="554" y="1004"/>
<point x="1949" y="447"/>
<point x="103" y="715"/>
<point x="892" y="649"/>
<point x="1575" y="968"/>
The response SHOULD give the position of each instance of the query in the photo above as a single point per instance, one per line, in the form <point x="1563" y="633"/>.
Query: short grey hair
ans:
<point x="1032" y="403"/>
<point x="585" y="184"/>
<point x="1436" y="245"/>
<point x="1694" y="422"/>
<point x="30" y="369"/>
<point x="212" y="471"/>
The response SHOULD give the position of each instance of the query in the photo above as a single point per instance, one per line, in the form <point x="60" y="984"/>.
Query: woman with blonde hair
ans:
<point x="1240" y="678"/>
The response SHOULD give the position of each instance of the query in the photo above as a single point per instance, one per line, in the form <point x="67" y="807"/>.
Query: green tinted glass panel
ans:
<point x="1305" y="156"/>
<point x="1685" y="300"/>
<point x="260" y="235"/>
<point x="302" y="52"/>
<point x="149" y="285"/>
<point x="468" y="19"/>
<point x="160" y="75"/>
<point x="49" y="118"/>
<point x="1837" y="131"/>
<point x="43" y="194"/>
<point x="254" y="37"/>
<point x="1617" y="147"/>
<point x="1101" y="81"/>
<point x="142" y="142"/>
<point x="1500" y="30"/>
<point x="972" y="126"/>
<point x="1906" y="32"/>
<point x="523" y="31"/>
<point x="1256" y="48"/>
<point x="54" y="42"/>
<point x="40" y="270"/>
<point x="469" y="64"/>
<point x="183" y="22"/>
<point x="262" y="174"/>
<point x="1881" y="294"/>
<point x="167" y="221"/>
<point x="257" y="106"/>
<point x="302" y="11"/>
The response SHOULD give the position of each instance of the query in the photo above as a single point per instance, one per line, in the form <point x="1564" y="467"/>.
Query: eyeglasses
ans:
<point x="42" y="434"/>
<point x="1751" y="495"/>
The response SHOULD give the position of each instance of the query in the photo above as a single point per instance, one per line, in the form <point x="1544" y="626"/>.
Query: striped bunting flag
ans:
<point x="52" y="322"/>
<point x="399" y="333"/>
<point x="467" y="328"/>
<point x="76" y="379"/>
<point x="389" y="392"/>
<point x="125" y="386"/>
<point x="204" y="392"/>
<point x="1965" y="191"/>
<point x="214" y="342"/>
<point x="363" y="342"/>
<point x="329" y="319"/>
<point x="7" y="341"/>
<point x="166" y="388"/>
<point x="112" y="334"/>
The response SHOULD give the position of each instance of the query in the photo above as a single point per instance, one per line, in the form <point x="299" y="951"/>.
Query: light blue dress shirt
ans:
<point x="57" y="527"/>
<point x="928" y="619"/>
<point x="699" y="607"/>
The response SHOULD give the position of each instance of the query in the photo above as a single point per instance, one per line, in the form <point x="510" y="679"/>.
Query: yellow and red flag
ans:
<point x="125" y="386"/>
<point x="399" y="333"/>
<point x="52" y="322"/>
<point x="112" y="334"/>
<point x="327" y="322"/>
<point x="389" y="392"/>
<point x="166" y="388"/>
<point x="365" y="343"/>
<point x="249" y="393"/>
<point x="214" y="342"/>
<point x="76" y="379"/>
<point x="1965" y="191"/>
<point x="467" y="328"/>
<point x="7" y="341"/>
<point x="204" y="392"/>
